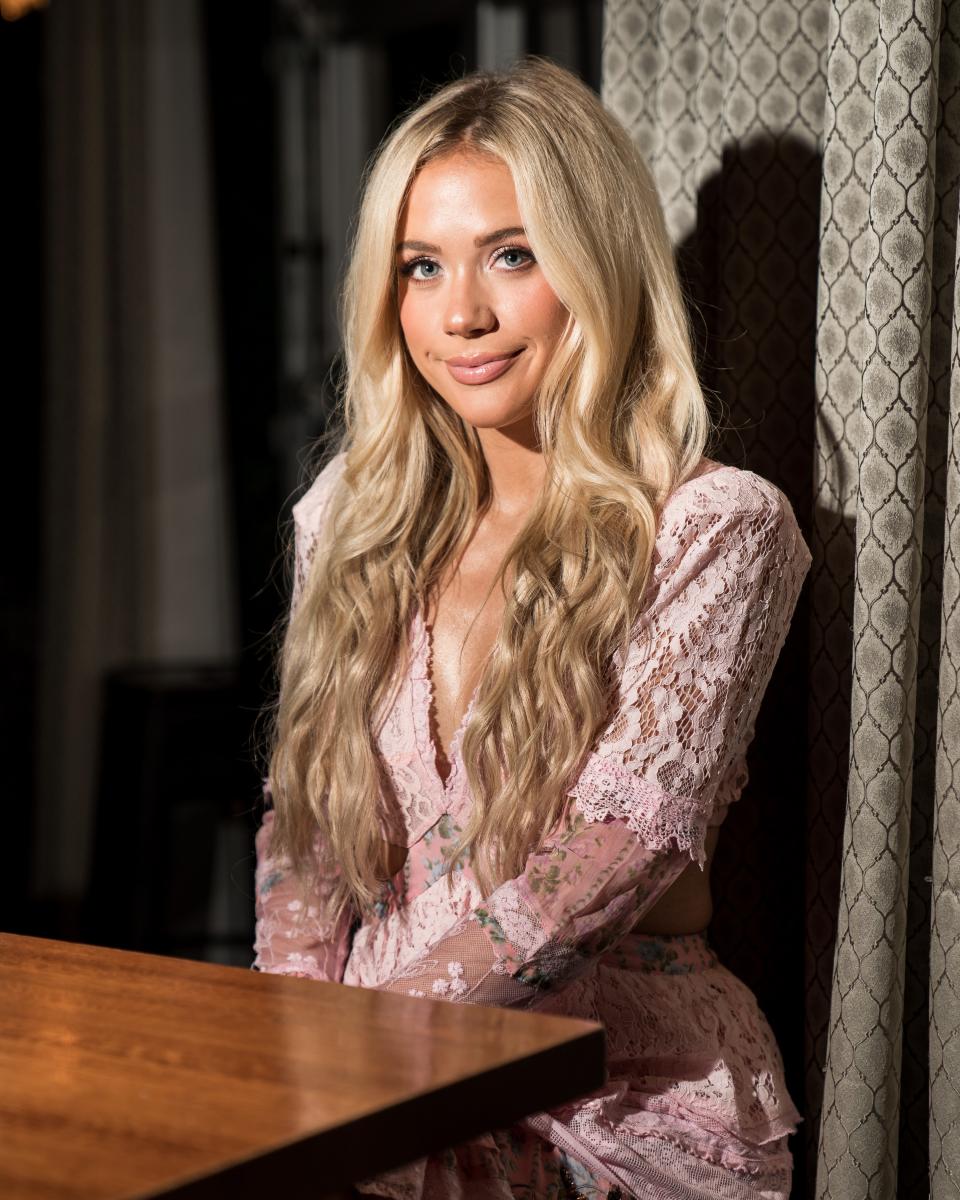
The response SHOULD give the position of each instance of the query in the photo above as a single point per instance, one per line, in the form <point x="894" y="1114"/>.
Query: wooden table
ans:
<point x="129" y="1075"/>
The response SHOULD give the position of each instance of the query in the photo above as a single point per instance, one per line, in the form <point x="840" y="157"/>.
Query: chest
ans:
<point x="463" y="619"/>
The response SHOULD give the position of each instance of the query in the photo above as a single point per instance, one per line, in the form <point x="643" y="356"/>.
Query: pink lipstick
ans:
<point x="480" y="368"/>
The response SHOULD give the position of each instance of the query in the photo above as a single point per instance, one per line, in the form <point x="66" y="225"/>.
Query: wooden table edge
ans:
<point x="295" y="1162"/>
<point x="580" y="1061"/>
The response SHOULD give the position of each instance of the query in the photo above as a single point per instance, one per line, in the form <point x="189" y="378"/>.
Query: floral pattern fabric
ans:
<point x="695" y="1096"/>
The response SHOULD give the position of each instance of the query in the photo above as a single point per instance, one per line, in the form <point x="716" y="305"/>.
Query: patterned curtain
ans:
<point x="807" y="155"/>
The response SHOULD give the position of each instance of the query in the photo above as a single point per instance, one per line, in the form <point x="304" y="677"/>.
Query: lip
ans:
<point x="480" y="368"/>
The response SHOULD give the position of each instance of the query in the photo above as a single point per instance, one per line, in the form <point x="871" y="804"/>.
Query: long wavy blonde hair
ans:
<point x="621" y="420"/>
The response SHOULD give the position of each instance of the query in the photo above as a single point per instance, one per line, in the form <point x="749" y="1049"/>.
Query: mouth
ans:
<point x="480" y="368"/>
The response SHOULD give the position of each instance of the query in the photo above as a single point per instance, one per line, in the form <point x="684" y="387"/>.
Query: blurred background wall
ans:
<point x="183" y="177"/>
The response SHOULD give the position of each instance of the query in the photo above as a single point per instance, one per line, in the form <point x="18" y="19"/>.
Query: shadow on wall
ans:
<point x="750" y="271"/>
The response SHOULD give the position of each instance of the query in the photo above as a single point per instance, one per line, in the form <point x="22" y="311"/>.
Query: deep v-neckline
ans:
<point x="434" y="746"/>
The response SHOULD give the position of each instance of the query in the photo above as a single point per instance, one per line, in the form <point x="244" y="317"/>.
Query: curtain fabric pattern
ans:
<point x="808" y="157"/>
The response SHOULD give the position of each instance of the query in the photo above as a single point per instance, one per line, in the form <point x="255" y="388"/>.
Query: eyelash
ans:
<point x="408" y="268"/>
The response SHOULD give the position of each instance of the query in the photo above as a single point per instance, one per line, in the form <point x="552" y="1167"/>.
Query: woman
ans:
<point x="530" y="632"/>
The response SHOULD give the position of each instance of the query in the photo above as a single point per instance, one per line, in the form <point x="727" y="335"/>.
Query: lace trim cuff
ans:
<point x="516" y="921"/>
<point x="608" y="789"/>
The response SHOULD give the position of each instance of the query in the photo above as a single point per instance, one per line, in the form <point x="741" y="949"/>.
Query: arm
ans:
<point x="540" y="931"/>
<point x="691" y="685"/>
<point x="290" y="937"/>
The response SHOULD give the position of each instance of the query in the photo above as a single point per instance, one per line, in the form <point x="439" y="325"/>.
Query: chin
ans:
<point x="491" y="416"/>
<point x="483" y="408"/>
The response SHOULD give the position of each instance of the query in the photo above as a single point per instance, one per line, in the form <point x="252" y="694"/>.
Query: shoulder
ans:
<point x="309" y="510"/>
<point x="715" y="488"/>
<point x="720" y="508"/>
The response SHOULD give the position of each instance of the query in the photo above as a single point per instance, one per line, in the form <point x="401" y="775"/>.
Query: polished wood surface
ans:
<point x="130" y="1075"/>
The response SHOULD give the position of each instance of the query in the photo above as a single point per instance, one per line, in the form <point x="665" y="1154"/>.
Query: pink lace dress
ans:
<point x="695" y="1102"/>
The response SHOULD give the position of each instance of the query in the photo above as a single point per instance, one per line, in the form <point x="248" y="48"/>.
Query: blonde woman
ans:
<point x="530" y="631"/>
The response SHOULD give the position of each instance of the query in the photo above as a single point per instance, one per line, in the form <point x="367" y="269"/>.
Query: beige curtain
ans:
<point x="808" y="155"/>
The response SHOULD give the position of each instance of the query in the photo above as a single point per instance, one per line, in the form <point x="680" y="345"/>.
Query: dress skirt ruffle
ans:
<point x="684" y="1115"/>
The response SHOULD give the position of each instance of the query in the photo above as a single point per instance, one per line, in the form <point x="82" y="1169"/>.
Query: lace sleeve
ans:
<point x="290" y="936"/>
<point x="309" y="524"/>
<point x="537" y="933"/>
<point x="724" y="591"/>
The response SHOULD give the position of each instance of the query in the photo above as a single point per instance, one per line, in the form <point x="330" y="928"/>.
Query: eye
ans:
<point x="514" y="258"/>
<point x="420" y="270"/>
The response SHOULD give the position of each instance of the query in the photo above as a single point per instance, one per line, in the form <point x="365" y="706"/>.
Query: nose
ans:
<point x="468" y="311"/>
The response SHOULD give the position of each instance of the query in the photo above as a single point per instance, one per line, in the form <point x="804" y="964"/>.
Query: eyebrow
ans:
<point x="488" y="239"/>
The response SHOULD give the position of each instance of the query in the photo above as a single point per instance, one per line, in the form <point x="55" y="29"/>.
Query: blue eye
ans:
<point x="421" y="270"/>
<point x="514" y="258"/>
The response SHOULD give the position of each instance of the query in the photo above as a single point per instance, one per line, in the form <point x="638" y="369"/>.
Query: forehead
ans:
<point x="460" y="194"/>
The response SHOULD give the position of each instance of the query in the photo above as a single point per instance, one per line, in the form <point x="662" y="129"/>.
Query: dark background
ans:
<point x="174" y="782"/>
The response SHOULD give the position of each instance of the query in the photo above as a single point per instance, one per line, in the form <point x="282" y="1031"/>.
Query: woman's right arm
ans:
<point x="291" y="936"/>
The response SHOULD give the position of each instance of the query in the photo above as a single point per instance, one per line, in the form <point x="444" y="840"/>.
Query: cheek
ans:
<point x="413" y="324"/>
<point x="538" y="312"/>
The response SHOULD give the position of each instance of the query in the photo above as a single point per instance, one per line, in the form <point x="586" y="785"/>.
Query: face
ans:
<point x="480" y="321"/>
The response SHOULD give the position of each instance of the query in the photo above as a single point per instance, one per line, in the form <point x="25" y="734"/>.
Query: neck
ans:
<point x="516" y="467"/>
